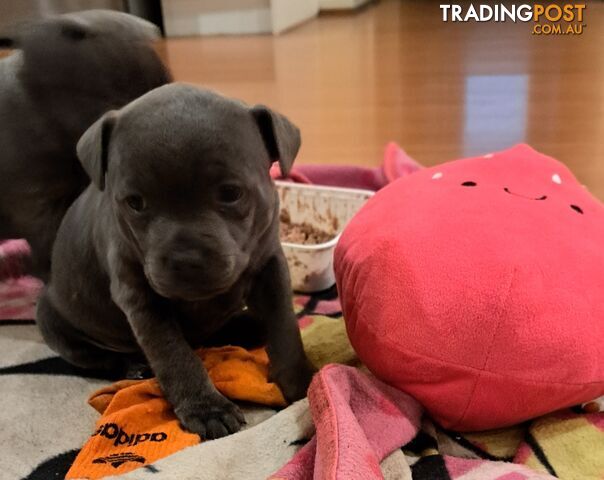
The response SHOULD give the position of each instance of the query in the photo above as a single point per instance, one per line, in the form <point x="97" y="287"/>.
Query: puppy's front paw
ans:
<point x="294" y="380"/>
<point x="211" y="416"/>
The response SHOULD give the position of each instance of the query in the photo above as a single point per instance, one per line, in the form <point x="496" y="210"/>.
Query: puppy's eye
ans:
<point x="229" y="193"/>
<point x="135" y="202"/>
<point x="577" y="209"/>
<point x="468" y="184"/>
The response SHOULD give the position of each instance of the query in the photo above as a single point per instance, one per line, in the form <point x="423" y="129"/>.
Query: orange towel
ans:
<point x="138" y="426"/>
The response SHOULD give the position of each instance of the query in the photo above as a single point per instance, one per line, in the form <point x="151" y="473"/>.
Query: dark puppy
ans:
<point x="175" y="245"/>
<point x="66" y="71"/>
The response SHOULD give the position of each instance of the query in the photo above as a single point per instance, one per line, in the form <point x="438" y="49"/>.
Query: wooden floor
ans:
<point x="395" y="71"/>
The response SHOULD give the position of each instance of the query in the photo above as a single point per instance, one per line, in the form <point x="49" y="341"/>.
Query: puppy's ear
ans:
<point x="74" y="31"/>
<point x="72" y="28"/>
<point x="93" y="148"/>
<point x="281" y="137"/>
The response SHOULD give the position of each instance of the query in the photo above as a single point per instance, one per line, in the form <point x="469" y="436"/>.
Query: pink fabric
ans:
<point x="18" y="294"/>
<point x="483" y="304"/>
<point x="359" y="421"/>
<point x="18" y="298"/>
<point x="12" y="255"/>
<point x="329" y="307"/>
<point x="396" y="163"/>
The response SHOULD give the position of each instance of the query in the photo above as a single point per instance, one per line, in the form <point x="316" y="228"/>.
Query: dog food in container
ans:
<point x="312" y="219"/>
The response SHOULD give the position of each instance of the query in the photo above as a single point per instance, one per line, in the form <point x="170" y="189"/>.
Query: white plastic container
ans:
<point x="328" y="209"/>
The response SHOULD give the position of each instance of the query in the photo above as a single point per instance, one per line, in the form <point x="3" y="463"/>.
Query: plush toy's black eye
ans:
<point x="468" y="184"/>
<point x="136" y="202"/>
<point x="229" y="193"/>
<point x="577" y="209"/>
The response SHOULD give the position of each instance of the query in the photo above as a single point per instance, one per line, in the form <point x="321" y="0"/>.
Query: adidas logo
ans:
<point x="113" y="432"/>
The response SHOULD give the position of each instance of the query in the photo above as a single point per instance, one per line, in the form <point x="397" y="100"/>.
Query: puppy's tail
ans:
<point x="15" y="259"/>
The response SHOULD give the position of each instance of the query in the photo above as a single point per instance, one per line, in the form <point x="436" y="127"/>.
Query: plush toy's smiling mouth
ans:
<point x="507" y="190"/>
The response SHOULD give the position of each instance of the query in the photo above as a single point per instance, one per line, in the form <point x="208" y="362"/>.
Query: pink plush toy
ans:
<point x="477" y="286"/>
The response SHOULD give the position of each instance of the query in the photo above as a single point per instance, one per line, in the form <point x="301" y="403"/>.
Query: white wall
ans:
<point x="288" y="13"/>
<point x="210" y="17"/>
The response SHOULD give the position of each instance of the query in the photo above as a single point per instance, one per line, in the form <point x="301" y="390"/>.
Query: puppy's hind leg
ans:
<point x="71" y="345"/>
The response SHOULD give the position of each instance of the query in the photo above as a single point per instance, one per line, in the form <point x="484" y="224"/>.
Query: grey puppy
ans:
<point x="66" y="71"/>
<point x="175" y="245"/>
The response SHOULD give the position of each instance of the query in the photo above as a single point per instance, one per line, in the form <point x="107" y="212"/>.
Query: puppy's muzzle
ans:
<point x="196" y="264"/>
<point x="192" y="274"/>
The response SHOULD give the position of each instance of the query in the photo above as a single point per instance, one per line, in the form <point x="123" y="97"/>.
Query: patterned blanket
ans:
<point x="45" y="420"/>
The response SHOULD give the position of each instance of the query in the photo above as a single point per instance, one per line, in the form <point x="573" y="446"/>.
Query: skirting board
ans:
<point x="341" y="4"/>
<point x="217" y="23"/>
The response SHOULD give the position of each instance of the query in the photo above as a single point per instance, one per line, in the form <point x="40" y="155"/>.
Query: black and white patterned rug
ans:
<point x="44" y="417"/>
